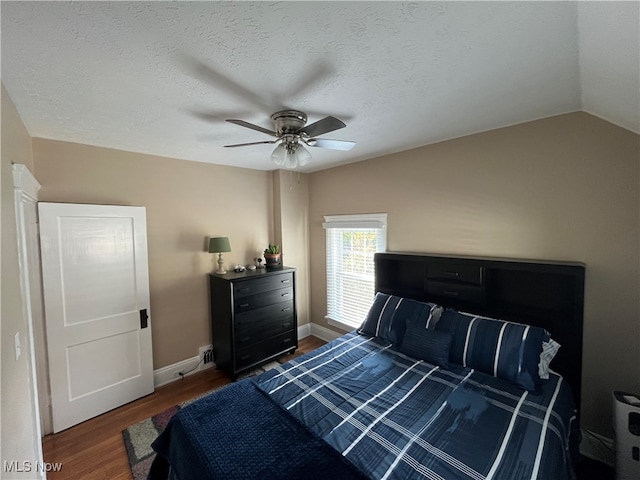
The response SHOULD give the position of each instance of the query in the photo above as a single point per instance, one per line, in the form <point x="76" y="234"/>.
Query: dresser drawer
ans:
<point x="252" y="302"/>
<point x="459" y="291"/>
<point x="258" y="332"/>
<point x="245" y="357"/>
<point x="246" y="321"/>
<point x="457" y="273"/>
<point x="259" y="285"/>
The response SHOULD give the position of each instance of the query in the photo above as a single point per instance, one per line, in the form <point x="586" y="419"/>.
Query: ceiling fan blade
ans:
<point x="325" y="125"/>
<point x="251" y="143"/>
<point x="213" y="116"/>
<point x="210" y="75"/>
<point x="242" y="123"/>
<point x="332" y="144"/>
<point x="313" y="77"/>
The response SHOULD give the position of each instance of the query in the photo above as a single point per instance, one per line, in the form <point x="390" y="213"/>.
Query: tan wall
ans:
<point x="19" y="438"/>
<point x="563" y="188"/>
<point x="186" y="202"/>
<point x="291" y="210"/>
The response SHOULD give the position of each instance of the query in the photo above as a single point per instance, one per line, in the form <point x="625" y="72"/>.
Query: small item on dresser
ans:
<point x="259" y="261"/>
<point x="238" y="268"/>
<point x="272" y="257"/>
<point x="251" y="267"/>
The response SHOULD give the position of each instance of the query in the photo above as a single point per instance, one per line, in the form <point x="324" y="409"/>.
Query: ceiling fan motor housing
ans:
<point x="289" y="121"/>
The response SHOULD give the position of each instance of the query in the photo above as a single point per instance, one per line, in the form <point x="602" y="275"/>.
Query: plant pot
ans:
<point x="272" y="260"/>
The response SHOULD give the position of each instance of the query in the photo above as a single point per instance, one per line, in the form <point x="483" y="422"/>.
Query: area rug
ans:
<point x="138" y="437"/>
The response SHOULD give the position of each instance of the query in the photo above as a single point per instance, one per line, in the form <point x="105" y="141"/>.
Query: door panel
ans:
<point x="95" y="277"/>
<point x="87" y="358"/>
<point x="99" y="248"/>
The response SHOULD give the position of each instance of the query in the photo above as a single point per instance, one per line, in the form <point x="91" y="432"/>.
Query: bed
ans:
<point x="430" y="386"/>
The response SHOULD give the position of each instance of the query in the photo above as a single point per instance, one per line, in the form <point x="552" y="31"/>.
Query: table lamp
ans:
<point x="219" y="245"/>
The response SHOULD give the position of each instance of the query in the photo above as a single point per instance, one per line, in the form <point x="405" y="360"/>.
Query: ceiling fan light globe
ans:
<point x="303" y="156"/>
<point x="279" y="155"/>
<point x="291" y="162"/>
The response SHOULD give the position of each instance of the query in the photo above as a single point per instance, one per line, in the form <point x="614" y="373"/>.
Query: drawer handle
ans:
<point x="286" y="340"/>
<point x="286" y="309"/>
<point x="245" y="289"/>
<point x="285" y="325"/>
<point x="285" y="281"/>
<point x="451" y="274"/>
<point x="242" y="340"/>
<point x="285" y="294"/>
<point x="451" y="293"/>
<point x="245" y="357"/>
<point x="244" y="305"/>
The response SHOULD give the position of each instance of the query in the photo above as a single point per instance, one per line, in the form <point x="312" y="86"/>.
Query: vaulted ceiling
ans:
<point x="161" y="77"/>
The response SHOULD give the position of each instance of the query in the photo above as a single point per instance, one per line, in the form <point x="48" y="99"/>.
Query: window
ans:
<point x="351" y="242"/>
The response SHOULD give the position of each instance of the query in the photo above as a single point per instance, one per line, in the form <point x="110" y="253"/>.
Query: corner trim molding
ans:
<point x="24" y="180"/>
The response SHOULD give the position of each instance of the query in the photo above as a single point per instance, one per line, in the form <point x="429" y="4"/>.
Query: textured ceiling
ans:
<point x="161" y="77"/>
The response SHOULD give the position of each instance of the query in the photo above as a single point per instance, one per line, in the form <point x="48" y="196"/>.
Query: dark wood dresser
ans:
<point x="253" y="317"/>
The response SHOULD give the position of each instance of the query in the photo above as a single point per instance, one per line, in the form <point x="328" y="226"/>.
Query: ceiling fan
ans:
<point x="291" y="133"/>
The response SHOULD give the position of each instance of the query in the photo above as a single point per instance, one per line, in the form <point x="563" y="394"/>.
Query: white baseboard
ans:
<point x="324" y="333"/>
<point x="304" y="330"/>
<point x="170" y="373"/>
<point x="597" y="447"/>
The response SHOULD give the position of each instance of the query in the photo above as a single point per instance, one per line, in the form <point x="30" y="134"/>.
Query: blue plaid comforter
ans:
<point x="396" y="417"/>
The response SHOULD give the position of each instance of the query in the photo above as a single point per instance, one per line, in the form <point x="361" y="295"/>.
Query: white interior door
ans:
<point x="96" y="297"/>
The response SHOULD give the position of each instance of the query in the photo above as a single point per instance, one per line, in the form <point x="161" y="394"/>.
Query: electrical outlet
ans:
<point x="206" y="354"/>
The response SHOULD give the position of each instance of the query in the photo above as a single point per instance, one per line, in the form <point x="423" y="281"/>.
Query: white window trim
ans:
<point x="354" y="221"/>
<point x="362" y="220"/>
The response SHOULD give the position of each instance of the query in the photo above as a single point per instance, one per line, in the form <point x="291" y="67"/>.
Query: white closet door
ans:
<point x="96" y="296"/>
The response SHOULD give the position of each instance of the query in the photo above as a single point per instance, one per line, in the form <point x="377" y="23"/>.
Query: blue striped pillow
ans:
<point x="506" y="350"/>
<point x="388" y="316"/>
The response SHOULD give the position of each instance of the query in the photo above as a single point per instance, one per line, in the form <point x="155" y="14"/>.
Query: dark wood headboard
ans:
<point x="545" y="294"/>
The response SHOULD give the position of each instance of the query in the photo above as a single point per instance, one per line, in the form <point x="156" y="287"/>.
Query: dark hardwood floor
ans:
<point x="95" y="450"/>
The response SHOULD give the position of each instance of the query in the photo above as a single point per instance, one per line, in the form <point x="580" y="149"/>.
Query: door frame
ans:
<point x="26" y="189"/>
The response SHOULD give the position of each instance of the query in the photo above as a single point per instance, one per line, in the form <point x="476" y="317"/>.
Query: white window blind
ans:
<point x="352" y="241"/>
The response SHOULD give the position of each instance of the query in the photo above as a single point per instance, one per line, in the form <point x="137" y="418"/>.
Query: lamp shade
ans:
<point x="219" y="244"/>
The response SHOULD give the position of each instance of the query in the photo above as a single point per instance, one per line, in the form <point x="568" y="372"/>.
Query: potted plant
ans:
<point x="272" y="256"/>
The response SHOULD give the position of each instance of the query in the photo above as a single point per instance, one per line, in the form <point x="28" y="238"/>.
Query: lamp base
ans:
<point x="220" y="271"/>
